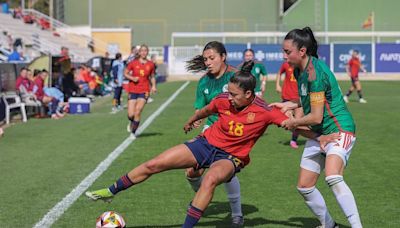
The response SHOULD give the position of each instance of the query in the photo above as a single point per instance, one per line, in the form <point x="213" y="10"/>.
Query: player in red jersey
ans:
<point x="289" y="92"/>
<point x="223" y="148"/>
<point x="140" y="73"/>
<point x="353" y="67"/>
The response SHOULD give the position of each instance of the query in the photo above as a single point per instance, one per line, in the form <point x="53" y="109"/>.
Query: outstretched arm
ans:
<point x="199" y="114"/>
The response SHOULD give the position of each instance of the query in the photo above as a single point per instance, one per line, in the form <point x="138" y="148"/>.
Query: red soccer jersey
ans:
<point x="235" y="131"/>
<point x="39" y="92"/>
<point x="289" y="90"/>
<point x="355" y="65"/>
<point x="143" y="71"/>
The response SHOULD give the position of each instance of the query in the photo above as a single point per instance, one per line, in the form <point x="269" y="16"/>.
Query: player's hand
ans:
<point x="289" y="124"/>
<point x="135" y="79"/>
<point x="188" y="127"/>
<point x="325" y="139"/>
<point x="197" y="123"/>
<point x="278" y="89"/>
<point x="153" y="90"/>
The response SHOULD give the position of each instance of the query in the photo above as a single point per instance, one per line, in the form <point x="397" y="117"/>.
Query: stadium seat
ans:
<point x="12" y="101"/>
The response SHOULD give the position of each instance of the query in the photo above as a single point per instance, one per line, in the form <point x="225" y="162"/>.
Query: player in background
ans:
<point x="353" y="67"/>
<point x="117" y="73"/>
<point x="289" y="92"/>
<point x="223" y="148"/>
<point x="325" y="113"/>
<point x="140" y="73"/>
<point x="210" y="85"/>
<point x="258" y="71"/>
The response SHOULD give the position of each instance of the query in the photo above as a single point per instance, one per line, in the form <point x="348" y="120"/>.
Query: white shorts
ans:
<point x="313" y="157"/>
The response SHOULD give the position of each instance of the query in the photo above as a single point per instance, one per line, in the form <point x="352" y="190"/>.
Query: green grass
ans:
<point x="42" y="160"/>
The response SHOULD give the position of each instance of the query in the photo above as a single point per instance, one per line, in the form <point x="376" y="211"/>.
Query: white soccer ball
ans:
<point x="110" y="219"/>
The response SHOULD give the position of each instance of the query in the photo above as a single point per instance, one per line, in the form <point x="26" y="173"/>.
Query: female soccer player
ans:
<point x="140" y="73"/>
<point x="353" y="67"/>
<point x="213" y="83"/>
<point x="325" y="112"/>
<point x="289" y="93"/>
<point x="258" y="71"/>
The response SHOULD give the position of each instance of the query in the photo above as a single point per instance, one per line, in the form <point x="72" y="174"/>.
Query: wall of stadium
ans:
<point x="152" y="21"/>
<point x="344" y="15"/>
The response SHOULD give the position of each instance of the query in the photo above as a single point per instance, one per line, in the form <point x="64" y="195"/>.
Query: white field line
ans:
<point x="55" y="213"/>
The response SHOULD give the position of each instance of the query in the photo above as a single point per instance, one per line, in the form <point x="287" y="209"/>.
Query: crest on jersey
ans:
<point x="225" y="88"/>
<point x="250" y="117"/>
<point x="303" y="90"/>
<point x="206" y="91"/>
<point x="227" y="112"/>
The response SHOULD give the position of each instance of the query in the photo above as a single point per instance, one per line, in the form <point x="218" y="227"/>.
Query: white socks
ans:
<point x="232" y="188"/>
<point x="345" y="198"/>
<point x="195" y="182"/>
<point x="316" y="203"/>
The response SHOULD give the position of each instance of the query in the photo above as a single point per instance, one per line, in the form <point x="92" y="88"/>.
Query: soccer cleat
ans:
<point x="334" y="226"/>
<point x="346" y="99"/>
<point x="237" y="221"/>
<point x="103" y="194"/>
<point x="362" y="101"/>
<point x="128" y="127"/>
<point x="293" y="144"/>
<point x="149" y="100"/>
<point x="132" y="136"/>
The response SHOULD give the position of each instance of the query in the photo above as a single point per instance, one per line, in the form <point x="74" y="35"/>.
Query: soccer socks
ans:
<point x="192" y="217"/>
<point x="135" y="125"/>
<point x="316" y="203"/>
<point x="121" y="184"/>
<point x="345" y="198"/>
<point x="195" y="182"/>
<point x="349" y="93"/>
<point x="359" y="94"/>
<point x="295" y="135"/>
<point x="232" y="188"/>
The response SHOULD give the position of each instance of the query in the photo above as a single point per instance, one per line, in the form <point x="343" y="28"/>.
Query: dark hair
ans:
<point x="248" y="49"/>
<point x="118" y="55"/>
<point x="36" y="72"/>
<point x="243" y="78"/>
<point x="356" y="51"/>
<point x="304" y="38"/>
<point x="197" y="63"/>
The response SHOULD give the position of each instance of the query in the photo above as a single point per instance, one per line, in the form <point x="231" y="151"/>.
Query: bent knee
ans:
<point x="192" y="173"/>
<point x="153" y="166"/>
<point x="210" y="182"/>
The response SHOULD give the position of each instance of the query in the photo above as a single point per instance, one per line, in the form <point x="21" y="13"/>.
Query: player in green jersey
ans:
<point x="214" y="82"/>
<point x="258" y="72"/>
<point x="325" y="112"/>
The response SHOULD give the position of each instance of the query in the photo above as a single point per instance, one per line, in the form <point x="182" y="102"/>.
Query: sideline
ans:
<point x="55" y="213"/>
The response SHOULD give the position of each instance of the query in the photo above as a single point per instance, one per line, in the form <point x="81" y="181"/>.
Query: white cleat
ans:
<point x="132" y="136"/>
<point x="346" y="99"/>
<point x="149" y="100"/>
<point x="128" y="127"/>
<point x="362" y="101"/>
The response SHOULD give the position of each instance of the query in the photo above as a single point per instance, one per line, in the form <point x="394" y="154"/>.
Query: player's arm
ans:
<point x="317" y="100"/>
<point x="153" y="82"/>
<point x="128" y="76"/>
<point x="198" y="115"/>
<point x="323" y="139"/>
<point x="264" y="78"/>
<point x="348" y="67"/>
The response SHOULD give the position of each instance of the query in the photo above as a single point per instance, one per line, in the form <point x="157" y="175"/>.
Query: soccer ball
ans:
<point x="110" y="219"/>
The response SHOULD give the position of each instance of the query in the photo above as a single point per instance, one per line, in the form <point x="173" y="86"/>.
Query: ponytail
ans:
<point x="304" y="38"/>
<point x="243" y="78"/>
<point x="196" y="64"/>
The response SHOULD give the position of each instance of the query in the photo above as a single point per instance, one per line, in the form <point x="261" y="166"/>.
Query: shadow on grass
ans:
<point x="216" y="208"/>
<point x="148" y="134"/>
<point x="299" y="142"/>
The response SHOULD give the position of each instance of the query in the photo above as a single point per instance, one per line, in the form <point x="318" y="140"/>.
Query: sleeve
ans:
<point x="282" y="69"/>
<point x="275" y="116"/>
<point x="318" y="88"/>
<point x="153" y="70"/>
<point x="200" y="101"/>
<point x="263" y="71"/>
<point x="214" y="104"/>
